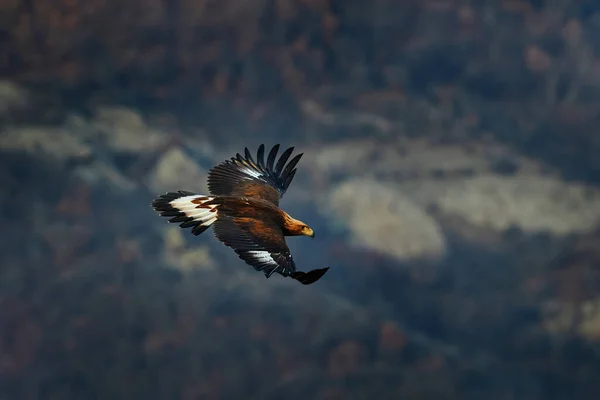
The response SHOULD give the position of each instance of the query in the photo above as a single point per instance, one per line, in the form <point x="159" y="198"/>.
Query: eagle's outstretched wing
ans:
<point x="261" y="244"/>
<point x="245" y="177"/>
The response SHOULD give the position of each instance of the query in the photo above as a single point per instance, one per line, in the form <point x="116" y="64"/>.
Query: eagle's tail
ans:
<point x="190" y="209"/>
<point x="306" y="278"/>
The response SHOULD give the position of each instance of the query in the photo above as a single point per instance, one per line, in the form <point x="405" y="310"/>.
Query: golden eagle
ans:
<point x="243" y="208"/>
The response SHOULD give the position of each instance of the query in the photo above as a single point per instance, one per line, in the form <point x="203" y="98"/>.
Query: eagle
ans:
<point x="243" y="209"/>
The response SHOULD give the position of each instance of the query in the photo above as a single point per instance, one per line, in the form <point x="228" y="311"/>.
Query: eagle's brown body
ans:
<point x="243" y="209"/>
<point x="248" y="208"/>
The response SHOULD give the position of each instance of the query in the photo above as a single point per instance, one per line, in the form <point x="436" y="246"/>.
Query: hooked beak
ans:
<point x="309" y="232"/>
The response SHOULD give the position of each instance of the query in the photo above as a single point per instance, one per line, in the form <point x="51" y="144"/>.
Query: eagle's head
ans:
<point x="306" y="231"/>
<point x="296" y="227"/>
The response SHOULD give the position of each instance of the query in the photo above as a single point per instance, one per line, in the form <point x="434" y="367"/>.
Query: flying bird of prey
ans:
<point x="243" y="208"/>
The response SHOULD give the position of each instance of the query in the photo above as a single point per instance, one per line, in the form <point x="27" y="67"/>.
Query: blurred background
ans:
<point x="451" y="172"/>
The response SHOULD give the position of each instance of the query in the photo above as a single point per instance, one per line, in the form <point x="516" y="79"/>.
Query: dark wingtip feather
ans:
<point x="282" y="160"/>
<point x="244" y="161"/>
<point x="288" y="179"/>
<point x="199" y="228"/>
<point x="260" y="156"/>
<point x="291" y="166"/>
<point x="271" y="157"/>
<point x="188" y="224"/>
<point x="254" y="164"/>
<point x="179" y="218"/>
<point x="248" y="155"/>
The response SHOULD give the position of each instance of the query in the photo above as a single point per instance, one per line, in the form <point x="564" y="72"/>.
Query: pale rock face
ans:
<point x="175" y="170"/>
<point x="121" y="129"/>
<point x="46" y="142"/>
<point x="340" y="157"/>
<point x="383" y="219"/>
<point x="125" y="130"/>
<point x="182" y="257"/>
<point x="531" y="203"/>
<point x="590" y="326"/>
<point x="534" y="199"/>
<point x="563" y="317"/>
<point x="412" y="158"/>
<point x="103" y="172"/>
<point x="12" y="97"/>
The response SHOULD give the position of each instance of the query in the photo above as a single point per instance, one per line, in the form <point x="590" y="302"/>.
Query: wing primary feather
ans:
<point x="288" y="179"/>
<point x="242" y="161"/>
<point x="291" y="166"/>
<point x="248" y="155"/>
<point x="188" y="224"/>
<point x="268" y="275"/>
<point x="251" y="160"/>
<point x="282" y="160"/>
<point x="271" y="157"/>
<point x="179" y="218"/>
<point x="238" y="159"/>
<point x="260" y="156"/>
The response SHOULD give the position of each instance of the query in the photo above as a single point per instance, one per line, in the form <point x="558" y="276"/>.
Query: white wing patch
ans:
<point x="204" y="216"/>
<point x="263" y="257"/>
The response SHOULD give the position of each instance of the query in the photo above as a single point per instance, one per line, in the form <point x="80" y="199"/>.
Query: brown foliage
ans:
<point x="346" y="358"/>
<point x="19" y="337"/>
<point x="391" y="338"/>
<point x="76" y="202"/>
